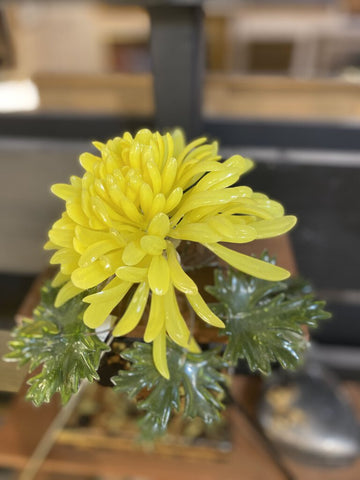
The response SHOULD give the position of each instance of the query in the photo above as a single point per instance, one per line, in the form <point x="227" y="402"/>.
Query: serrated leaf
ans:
<point x="195" y="378"/>
<point x="264" y="319"/>
<point x="58" y="340"/>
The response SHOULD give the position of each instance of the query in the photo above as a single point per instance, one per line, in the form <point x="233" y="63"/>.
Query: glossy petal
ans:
<point x="196" y="232"/>
<point x="159" y="225"/>
<point x="204" y="312"/>
<point x="159" y="354"/>
<point x="131" y="274"/>
<point x="251" y="266"/>
<point x="156" y="319"/>
<point x="66" y="292"/>
<point x="96" y="250"/>
<point x="134" y="311"/>
<point x="59" y="279"/>
<point x="61" y="237"/>
<point x="169" y="174"/>
<point x="175" y="324"/>
<point x="152" y="244"/>
<point x="274" y="227"/>
<point x="64" y="191"/>
<point x="133" y="253"/>
<point x="91" y="275"/>
<point x="180" y="279"/>
<point x="173" y="199"/>
<point x="103" y="303"/>
<point x="159" y="275"/>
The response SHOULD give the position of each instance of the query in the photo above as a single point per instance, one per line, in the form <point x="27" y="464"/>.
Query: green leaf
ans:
<point x="264" y="319"/>
<point x="194" y="386"/>
<point x="57" y="340"/>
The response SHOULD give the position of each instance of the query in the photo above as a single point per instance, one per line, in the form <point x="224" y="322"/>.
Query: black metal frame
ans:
<point x="231" y="132"/>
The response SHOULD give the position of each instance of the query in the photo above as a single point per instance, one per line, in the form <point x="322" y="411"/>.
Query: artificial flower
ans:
<point x="128" y="213"/>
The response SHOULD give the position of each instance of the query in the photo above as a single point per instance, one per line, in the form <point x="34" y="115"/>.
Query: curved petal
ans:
<point x="131" y="274"/>
<point x="175" y="324"/>
<point x="91" y="275"/>
<point x="180" y="279"/>
<point x="152" y="244"/>
<point x="59" y="279"/>
<point x="61" y="237"/>
<point x="159" y="354"/>
<point x="156" y="318"/>
<point x="173" y="199"/>
<point x="274" y="227"/>
<point x="65" y="191"/>
<point x="66" y="292"/>
<point x="133" y="312"/>
<point x="96" y="250"/>
<point x="159" y="275"/>
<point x="159" y="225"/>
<point x="169" y="174"/>
<point x="250" y="265"/>
<point x="196" y="232"/>
<point x="133" y="253"/>
<point x="209" y="199"/>
<point x="204" y="312"/>
<point x="103" y="303"/>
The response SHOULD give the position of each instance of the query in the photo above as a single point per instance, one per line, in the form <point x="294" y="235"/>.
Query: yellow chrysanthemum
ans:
<point x="126" y="216"/>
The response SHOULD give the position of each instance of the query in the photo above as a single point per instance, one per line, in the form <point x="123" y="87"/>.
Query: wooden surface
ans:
<point x="248" y="460"/>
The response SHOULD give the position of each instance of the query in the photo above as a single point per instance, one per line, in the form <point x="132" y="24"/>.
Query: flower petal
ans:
<point x="175" y="324"/>
<point x="196" y="232"/>
<point x="61" y="237"/>
<point x="154" y="175"/>
<point x="134" y="311"/>
<point x="180" y="279"/>
<point x="250" y="265"/>
<point x="131" y="274"/>
<point x="63" y="256"/>
<point x="152" y="244"/>
<point x="96" y="250"/>
<point x="65" y="191"/>
<point x="146" y="198"/>
<point x="103" y="303"/>
<point x="159" y="225"/>
<point x="156" y="319"/>
<point x="173" y="199"/>
<point x="169" y="174"/>
<point x="207" y="199"/>
<point x="76" y="213"/>
<point x="88" y="236"/>
<point x="204" y="312"/>
<point x="59" y="279"/>
<point x="159" y="354"/>
<point x="274" y="227"/>
<point x="67" y="292"/>
<point x="91" y="275"/>
<point x="159" y="275"/>
<point x="133" y="253"/>
<point x="157" y="205"/>
<point x="88" y="161"/>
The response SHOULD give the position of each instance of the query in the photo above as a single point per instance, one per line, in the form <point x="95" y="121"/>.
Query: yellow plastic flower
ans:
<point x="126" y="216"/>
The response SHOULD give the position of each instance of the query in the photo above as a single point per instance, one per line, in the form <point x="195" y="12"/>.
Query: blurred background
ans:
<point x="280" y="83"/>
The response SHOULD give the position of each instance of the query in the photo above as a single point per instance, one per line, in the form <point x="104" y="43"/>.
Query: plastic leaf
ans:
<point x="58" y="340"/>
<point x="194" y="377"/>
<point x="264" y="319"/>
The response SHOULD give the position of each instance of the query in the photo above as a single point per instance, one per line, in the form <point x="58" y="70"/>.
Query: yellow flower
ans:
<point x="126" y="216"/>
